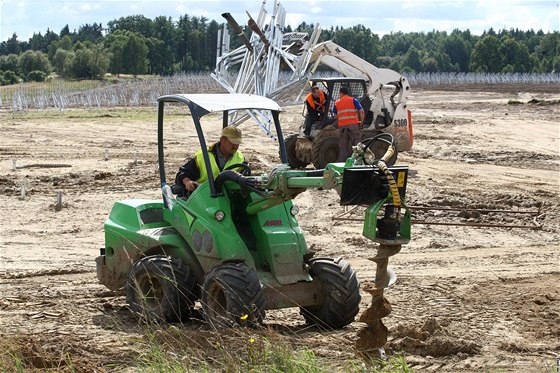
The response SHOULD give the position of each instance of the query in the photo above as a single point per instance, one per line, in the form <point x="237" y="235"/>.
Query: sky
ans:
<point x="25" y="17"/>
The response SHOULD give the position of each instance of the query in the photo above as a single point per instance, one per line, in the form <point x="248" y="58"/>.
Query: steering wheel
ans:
<point x="246" y="170"/>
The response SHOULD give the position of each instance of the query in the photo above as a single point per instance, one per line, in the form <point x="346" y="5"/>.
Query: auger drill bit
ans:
<point x="373" y="337"/>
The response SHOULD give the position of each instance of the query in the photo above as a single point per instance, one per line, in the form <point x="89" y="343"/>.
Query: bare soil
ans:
<point x="467" y="298"/>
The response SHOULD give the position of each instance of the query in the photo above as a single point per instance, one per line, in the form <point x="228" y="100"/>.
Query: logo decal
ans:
<point x="273" y="223"/>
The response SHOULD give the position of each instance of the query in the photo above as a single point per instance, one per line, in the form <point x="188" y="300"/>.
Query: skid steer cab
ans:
<point x="234" y="247"/>
<point x="385" y="109"/>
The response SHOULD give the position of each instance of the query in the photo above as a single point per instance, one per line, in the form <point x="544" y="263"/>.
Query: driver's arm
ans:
<point x="187" y="175"/>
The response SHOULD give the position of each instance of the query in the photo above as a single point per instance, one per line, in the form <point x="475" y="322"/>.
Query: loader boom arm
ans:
<point x="348" y="64"/>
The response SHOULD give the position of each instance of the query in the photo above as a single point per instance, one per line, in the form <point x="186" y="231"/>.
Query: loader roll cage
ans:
<point x="331" y="86"/>
<point x="228" y="104"/>
<point x="358" y="89"/>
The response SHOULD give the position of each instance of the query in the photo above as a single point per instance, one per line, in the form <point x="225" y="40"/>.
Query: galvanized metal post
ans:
<point x="255" y="66"/>
<point x="58" y="202"/>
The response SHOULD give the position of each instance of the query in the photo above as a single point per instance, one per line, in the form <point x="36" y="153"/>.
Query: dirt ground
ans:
<point x="467" y="298"/>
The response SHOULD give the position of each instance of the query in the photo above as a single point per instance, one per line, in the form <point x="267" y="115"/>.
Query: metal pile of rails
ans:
<point x="258" y="66"/>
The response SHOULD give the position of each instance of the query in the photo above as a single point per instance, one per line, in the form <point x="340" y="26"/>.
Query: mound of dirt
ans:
<point x="430" y="339"/>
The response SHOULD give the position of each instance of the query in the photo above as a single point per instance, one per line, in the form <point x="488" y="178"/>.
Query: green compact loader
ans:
<point x="234" y="246"/>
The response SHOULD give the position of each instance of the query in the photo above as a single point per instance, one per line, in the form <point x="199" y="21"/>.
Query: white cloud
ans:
<point x="181" y="9"/>
<point x="295" y="19"/>
<point x="86" y="7"/>
<point x="316" y="10"/>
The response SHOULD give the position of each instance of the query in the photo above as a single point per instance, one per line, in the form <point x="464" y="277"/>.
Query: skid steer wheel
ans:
<point x="341" y="294"/>
<point x="293" y="160"/>
<point x="160" y="288"/>
<point x="246" y="170"/>
<point x="232" y="294"/>
<point x="325" y="150"/>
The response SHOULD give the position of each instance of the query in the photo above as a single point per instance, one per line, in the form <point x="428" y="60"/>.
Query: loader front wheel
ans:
<point x="341" y="294"/>
<point x="232" y="294"/>
<point x="160" y="288"/>
<point x="293" y="160"/>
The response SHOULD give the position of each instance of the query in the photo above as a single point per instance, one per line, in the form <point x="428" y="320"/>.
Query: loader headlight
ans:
<point x="219" y="215"/>
<point x="294" y="210"/>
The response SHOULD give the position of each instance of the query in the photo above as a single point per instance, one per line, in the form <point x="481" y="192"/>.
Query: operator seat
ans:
<point x="366" y="105"/>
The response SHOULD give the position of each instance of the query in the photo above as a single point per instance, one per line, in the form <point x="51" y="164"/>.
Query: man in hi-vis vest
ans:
<point x="350" y="116"/>
<point x="222" y="154"/>
<point x="315" y="103"/>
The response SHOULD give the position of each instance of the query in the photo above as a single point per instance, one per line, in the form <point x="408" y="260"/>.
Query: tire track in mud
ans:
<point x="461" y="321"/>
<point x="66" y="310"/>
<point x="45" y="272"/>
<point x="442" y="320"/>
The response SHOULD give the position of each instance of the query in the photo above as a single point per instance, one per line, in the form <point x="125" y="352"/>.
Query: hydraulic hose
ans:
<point x="236" y="177"/>
<point x="390" y="179"/>
<point x="382" y="164"/>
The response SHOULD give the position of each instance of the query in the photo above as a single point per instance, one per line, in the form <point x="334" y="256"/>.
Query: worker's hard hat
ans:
<point x="233" y="134"/>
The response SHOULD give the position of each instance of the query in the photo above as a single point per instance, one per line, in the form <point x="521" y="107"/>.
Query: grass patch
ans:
<point x="32" y="89"/>
<point x="140" y="113"/>
<point x="247" y="350"/>
<point x="180" y="349"/>
<point x="25" y="353"/>
<point x="58" y="85"/>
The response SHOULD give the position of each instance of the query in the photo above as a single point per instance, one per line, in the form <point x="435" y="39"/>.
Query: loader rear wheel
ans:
<point x="293" y="160"/>
<point x="232" y="294"/>
<point x="325" y="150"/>
<point x="160" y="288"/>
<point x="341" y="293"/>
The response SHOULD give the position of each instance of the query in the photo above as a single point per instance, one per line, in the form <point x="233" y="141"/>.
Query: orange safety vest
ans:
<point x="346" y="111"/>
<point x="314" y="104"/>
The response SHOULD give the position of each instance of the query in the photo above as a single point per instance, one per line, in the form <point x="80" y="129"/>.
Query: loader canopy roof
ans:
<point x="229" y="105"/>
<point x="202" y="104"/>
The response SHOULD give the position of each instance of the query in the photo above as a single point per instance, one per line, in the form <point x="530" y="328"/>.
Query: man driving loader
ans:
<point x="315" y="103"/>
<point x="223" y="154"/>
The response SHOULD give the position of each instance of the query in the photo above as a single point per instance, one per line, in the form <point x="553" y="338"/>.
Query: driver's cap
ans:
<point x="233" y="134"/>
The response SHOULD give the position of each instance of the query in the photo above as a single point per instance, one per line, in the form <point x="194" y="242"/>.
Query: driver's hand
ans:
<point x="190" y="185"/>
<point x="250" y="182"/>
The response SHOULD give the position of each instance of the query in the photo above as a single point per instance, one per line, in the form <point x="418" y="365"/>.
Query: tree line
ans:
<point x="161" y="46"/>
